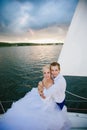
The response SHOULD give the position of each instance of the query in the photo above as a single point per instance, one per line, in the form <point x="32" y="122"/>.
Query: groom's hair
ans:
<point x="55" y="64"/>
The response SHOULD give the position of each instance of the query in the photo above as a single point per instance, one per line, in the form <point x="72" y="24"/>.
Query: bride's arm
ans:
<point x="41" y="89"/>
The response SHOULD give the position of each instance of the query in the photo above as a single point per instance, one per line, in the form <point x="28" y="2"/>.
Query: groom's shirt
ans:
<point x="57" y="91"/>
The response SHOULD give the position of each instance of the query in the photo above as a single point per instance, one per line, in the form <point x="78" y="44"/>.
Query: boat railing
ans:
<point x="82" y="99"/>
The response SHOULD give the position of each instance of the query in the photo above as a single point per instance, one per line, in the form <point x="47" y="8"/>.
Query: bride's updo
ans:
<point x="46" y="67"/>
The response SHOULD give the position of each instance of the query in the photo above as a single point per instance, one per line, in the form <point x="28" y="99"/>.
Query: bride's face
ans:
<point x="46" y="73"/>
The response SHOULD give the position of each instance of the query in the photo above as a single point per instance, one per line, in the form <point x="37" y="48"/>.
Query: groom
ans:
<point x="59" y="87"/>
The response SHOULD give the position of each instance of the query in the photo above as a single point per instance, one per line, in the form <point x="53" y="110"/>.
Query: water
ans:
<point x="21" y="69"/>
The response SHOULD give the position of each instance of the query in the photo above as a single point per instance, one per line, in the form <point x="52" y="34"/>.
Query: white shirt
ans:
<point x="57" y="90"/>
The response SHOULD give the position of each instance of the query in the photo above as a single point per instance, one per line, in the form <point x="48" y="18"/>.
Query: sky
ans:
<point x="37" y="21"/>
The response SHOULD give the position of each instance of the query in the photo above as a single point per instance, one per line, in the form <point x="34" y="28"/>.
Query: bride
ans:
<point x="36" y="110"/>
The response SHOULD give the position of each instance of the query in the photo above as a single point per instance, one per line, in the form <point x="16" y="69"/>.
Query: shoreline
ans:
<point x="4" y="44"/>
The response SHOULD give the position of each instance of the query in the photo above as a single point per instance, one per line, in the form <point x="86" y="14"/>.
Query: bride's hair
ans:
<point x="46" y="67"/>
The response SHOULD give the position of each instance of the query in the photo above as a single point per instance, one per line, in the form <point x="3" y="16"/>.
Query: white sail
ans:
<point x="73" y="57"/>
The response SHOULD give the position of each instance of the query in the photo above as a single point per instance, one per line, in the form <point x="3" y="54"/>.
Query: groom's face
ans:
<point x="55" y="71"/>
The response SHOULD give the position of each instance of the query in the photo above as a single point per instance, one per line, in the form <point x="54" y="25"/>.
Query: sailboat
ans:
<point x="73" y="59"/>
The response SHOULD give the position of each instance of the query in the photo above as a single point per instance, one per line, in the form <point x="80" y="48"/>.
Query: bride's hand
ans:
<point x="42" y="95"/>
<point x="40" y="89"/>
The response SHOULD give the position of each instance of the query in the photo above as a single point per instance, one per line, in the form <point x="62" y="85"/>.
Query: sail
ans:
<point x="73" y="57"/>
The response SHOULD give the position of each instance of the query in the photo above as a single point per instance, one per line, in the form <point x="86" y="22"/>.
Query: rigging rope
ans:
<point x="76" y="95"/>
<point x="2" y="107"/>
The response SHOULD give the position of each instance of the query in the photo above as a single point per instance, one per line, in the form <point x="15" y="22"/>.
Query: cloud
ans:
<point x="18" y="16"/>
<point x="32" y="19"/>
<point x="50" y="34"/>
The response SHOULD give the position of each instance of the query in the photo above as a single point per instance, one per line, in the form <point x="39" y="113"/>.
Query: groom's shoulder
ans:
<point x="61" y="77"/>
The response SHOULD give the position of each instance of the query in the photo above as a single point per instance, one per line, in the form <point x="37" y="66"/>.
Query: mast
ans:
<point x="73" y="56"/>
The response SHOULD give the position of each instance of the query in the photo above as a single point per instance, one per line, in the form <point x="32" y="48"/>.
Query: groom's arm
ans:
<point x="57" y="91"/>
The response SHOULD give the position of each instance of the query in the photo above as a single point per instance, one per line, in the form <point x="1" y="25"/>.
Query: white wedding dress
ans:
<point x="34" y="113"/>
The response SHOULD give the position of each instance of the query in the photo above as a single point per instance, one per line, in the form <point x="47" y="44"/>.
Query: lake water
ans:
<point x="21" y="69"/>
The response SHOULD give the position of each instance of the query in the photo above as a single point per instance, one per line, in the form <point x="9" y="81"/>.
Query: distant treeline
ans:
<point x="4" y="44"/>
